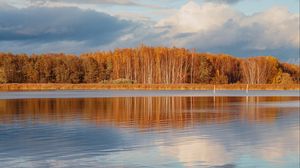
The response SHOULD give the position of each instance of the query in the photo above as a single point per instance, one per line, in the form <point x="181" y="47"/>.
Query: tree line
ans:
<point x="145" y="65"/>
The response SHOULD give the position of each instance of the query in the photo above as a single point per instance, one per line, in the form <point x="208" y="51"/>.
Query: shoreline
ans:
<point x="63" y="86"/>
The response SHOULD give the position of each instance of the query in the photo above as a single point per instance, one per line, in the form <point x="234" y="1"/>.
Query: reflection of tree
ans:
<point x="144" y="111"/>
<point x="254" y="111"/>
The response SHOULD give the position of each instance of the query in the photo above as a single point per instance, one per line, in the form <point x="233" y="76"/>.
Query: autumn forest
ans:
<point x="145" y="65"/>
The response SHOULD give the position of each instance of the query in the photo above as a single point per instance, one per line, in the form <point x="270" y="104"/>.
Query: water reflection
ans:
<point x="192" y="149"/>
<point x="148" y="111"/>
<point x="150" y="131"/>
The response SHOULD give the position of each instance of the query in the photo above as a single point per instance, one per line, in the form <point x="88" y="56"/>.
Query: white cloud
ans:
<point x="278" y="27"/>
<point x="193" y="18"/>
<point x="213" y="26"/>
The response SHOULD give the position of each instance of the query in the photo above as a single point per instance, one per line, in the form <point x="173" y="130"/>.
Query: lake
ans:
<point x="149" y="129"/>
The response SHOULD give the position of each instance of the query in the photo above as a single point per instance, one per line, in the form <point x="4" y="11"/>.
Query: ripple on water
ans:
<point x="150" y="132"/>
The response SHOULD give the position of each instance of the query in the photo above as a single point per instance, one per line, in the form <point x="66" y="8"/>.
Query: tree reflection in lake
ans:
<point x="146" y="111"/>
<point x="150" y="131"/>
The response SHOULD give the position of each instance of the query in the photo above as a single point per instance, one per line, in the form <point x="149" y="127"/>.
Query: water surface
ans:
<point x="144" y="93"/>
<point x="220" y="131"/>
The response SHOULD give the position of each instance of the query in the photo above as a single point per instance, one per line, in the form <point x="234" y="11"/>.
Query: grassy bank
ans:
<point x="52" y="86"/>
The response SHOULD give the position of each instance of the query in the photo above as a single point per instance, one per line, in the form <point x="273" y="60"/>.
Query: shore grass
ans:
<point x="55" y="86"/>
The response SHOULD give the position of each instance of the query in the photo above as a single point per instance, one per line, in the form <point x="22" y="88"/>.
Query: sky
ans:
<point x="241" y="28"/>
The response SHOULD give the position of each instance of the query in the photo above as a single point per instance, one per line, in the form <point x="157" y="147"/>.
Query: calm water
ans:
<point x="222" y="131"/>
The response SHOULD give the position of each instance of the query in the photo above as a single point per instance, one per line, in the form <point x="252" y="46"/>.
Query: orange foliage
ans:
<point x="143" y="65"/>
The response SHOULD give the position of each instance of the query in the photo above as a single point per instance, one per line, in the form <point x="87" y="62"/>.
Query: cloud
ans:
<point x="41" y="25"/>
<point x="91" y="3"/>
<point x="117" y="2"/>
<point x="195" y="18"/>
<point x="220" y="28"/>
<point x="276" y="27"/>
<point x="207" y="27"/>
<point x="224" y="1"/>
